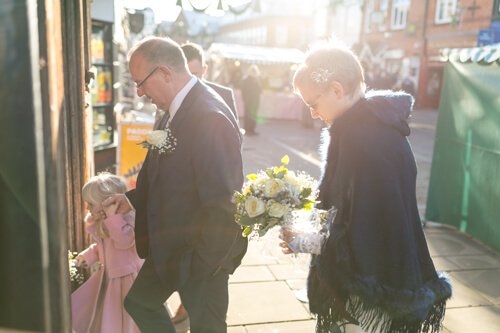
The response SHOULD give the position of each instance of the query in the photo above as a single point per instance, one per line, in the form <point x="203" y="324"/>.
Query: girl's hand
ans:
<point x="81" y="262"/>
<point x="124" y="205"/>
<point x="111" y="209"/>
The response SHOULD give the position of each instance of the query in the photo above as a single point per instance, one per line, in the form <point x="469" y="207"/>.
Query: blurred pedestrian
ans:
<point x="371" y="267"/>
<point x="198" y="67"/>
<point x="251" y="90"/>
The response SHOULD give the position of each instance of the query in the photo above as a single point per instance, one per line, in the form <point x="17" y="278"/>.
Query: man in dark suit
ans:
<point x="198" y="67"/>
<point x="184" y="225"/>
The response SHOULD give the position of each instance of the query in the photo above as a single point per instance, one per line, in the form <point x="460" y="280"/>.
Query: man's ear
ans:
<point x="204" y="70"/>
<point x="337" y="89"/>
<point x="166" y="72"/>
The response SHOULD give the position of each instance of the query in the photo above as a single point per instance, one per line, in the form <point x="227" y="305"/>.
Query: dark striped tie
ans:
<point x="161" y="123"/>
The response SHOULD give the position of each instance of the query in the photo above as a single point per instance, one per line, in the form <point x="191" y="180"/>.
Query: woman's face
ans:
<point x="324" y="104"/>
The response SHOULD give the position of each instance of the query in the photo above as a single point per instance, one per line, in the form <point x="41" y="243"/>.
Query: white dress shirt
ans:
<point x="179" y="98"/>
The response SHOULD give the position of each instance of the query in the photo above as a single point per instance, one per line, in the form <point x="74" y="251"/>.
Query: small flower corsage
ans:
<point x="163" y="141"/>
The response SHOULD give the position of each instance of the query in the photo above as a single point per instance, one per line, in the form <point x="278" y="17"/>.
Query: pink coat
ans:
<point x="97" y="306"/>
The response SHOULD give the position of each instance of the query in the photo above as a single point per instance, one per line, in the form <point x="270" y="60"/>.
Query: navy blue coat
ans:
<point x="183" y="200"/>
<point x="375" y="269"/>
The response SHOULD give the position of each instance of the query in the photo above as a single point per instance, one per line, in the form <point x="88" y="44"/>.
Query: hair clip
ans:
<point x="321" y="75"/>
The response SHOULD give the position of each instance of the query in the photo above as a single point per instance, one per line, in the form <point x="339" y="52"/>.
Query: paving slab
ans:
<point x="443" y="264"/>
<point x="451" y="243"/>
<point x="288" y="327"/>
<point x="475" y="262"/>
<point x="296" y="284"/>
<point x="252" y="274"/>
<point x="484" y="319"/>
<point x="464" y="295"/>
<point x="289" y="271"/>
<point x="263" y="302"/>
<point x="257" y="254"/>
<point x="484" y="282"/>
<point x="236" y="329"/>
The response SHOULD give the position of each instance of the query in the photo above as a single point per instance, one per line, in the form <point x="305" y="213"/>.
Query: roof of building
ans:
<point x="485" y="54"/>
<point x="255" y="54"/>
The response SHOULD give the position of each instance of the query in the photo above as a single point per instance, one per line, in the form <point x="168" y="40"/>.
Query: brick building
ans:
<point x="403" y="38"/>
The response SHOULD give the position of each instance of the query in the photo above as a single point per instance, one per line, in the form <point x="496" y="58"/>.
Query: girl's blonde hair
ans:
<point x="98" y="189"/>
<point x="329" y="61"/>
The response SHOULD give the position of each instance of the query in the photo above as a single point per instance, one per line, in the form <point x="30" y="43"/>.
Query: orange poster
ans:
<point x="130" y="153"/>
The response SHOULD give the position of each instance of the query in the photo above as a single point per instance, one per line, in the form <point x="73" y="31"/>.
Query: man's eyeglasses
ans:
<point x="138" y="85"/>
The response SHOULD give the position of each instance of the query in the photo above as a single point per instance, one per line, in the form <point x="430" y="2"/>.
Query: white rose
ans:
<point x="272" y="188"/>
<point x="293" y="183"/>
<point x="156" y="138"/>
<point x="254" y="206"/>
<point x="276" y="209"/>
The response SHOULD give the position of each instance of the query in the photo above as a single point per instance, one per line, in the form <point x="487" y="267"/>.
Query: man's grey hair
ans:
<point x="160" y="51"/>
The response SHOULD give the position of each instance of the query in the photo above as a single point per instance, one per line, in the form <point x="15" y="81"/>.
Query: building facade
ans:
<point x="402" y="39"/>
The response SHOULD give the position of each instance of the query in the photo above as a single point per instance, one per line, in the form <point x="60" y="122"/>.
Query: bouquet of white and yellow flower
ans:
<point x="76" y="276"/>
<point x="269" y="198"/>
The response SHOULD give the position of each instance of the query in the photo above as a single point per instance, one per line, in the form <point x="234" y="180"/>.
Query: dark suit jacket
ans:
<point x="226" y="94"/>
<point x="184" y="212"/>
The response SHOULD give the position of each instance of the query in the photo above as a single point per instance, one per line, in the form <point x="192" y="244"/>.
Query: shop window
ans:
<point x="101" y="50"/>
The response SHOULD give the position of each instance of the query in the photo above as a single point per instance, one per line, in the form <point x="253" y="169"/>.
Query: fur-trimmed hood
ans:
<point x="392" y="108"/>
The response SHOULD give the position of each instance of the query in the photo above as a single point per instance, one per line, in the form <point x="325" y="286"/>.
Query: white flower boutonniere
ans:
<point x="163" y="141"/>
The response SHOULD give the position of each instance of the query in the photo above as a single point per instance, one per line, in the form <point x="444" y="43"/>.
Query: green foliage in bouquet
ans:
<point x="269" y="197"/>
<point x="76" y="275"/>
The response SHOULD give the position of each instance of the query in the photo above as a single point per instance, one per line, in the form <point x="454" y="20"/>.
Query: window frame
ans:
<point x="446" y="17"/>
<point x="399" y="14"/>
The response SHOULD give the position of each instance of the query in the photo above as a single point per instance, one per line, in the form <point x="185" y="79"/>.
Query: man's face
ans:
<point x="197" y="68"/>
<point x="151" y="81"/>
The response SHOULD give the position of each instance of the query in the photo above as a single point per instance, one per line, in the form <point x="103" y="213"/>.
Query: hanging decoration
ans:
<point x="199" y="10"/>
<point x="239" y="10"/>
<point x="236" y="10"/>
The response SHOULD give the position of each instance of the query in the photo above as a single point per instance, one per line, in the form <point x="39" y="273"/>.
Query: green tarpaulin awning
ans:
<point x="464" y="188"/>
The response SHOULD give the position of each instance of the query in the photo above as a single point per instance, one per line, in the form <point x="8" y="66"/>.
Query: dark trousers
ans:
<point x="250" y="118"/>
<point x="205" y="299"/>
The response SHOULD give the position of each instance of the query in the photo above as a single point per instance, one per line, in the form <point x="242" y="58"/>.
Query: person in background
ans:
<point x="371" y="267"/>
<point x="251" y="90"/>
<point x="97" y="306"/>
<point x="198" y="67"/>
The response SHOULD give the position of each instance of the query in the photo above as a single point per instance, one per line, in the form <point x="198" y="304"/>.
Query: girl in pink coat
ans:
<point x="97" y="306"/>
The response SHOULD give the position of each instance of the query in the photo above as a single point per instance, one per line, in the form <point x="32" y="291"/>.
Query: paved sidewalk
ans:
<point x="262" y="291"/>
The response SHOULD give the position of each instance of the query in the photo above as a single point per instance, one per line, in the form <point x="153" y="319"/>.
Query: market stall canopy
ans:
<point x="255" y="54"/>
<point x="485" y="54"/>
<point x="464" y="185"/>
